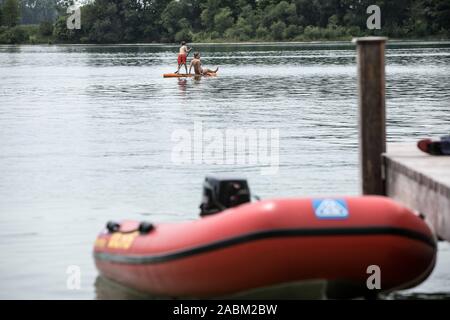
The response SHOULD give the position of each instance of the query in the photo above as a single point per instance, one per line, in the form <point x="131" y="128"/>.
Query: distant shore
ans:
<point x="43" y="34"/>
<point x="34" y="39"/>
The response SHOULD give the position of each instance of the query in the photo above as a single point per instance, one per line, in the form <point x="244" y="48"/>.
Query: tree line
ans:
<point x="128" y="21"/>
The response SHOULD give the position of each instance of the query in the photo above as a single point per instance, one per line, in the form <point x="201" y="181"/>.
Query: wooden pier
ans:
<point x="404" y="173"/>
<point x="421" y="182"/>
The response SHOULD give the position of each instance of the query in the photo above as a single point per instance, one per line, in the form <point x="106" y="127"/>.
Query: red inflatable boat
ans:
<point x="269" y="243"/>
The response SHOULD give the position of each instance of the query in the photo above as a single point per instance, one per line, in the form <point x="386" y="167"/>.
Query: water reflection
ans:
<point x="109" y="290"/>
<point x="182" y="85"/>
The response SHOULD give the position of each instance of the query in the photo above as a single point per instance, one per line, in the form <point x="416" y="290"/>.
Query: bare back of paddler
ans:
<point x="197" y="64"/>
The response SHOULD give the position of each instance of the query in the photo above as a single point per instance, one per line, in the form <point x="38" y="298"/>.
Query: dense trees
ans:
<point x="10" y="13"/>
<point x="243" y="20"/>
<point x="111" y="21"/>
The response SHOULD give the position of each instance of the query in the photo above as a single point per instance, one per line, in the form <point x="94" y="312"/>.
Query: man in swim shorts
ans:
<point x="197" y="64"/>
<point x="182" y="56"/>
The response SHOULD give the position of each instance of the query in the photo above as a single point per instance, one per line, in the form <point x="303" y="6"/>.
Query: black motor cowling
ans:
<point x="220" y="193"/>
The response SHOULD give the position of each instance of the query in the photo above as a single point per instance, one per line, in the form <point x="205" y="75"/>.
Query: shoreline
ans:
<point x="246" y="43"/>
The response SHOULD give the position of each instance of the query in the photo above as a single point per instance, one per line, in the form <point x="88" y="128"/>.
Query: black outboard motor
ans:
<point x="222" y="193"/>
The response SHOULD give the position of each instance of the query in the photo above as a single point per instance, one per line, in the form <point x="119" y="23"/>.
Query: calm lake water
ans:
<point x="86" y="137"/>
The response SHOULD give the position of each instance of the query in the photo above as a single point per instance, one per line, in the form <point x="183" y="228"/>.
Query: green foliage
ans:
<point x="46" y="28"/>
<point x="14" y="35"/>
<point x="312" y="33"/>
<point x="173" y="15"/>
<point x="10" y="13"/>
<point x="291" y="31"/>
<point x="30" y="33"/>
<point x="223" y="20"/>
<point x="283" y="11"/>
<point x="262" y="33"/>
<point x="333" y="22"/>
<point x="62" y="33"/>
<point x="241" y="31"/>
<point x="113" y="21"/>
<point x="183" y="35"/>
<point x="277" y="30"/>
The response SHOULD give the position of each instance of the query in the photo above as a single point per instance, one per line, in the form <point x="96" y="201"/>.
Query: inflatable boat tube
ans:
<point x="270" y="243"/>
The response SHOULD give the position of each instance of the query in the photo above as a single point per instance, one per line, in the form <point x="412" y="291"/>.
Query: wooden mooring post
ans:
<point x="404" y="173"/>
<point x="372" y="122"/>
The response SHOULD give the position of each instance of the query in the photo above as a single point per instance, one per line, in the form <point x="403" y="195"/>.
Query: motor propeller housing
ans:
<point x="220" y="193"/>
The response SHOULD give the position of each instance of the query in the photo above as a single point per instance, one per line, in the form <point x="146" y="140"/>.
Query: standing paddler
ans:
<point x="182" y="56"/>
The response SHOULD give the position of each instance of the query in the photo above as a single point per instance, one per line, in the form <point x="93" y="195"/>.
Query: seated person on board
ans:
<point x="197" y="64"/>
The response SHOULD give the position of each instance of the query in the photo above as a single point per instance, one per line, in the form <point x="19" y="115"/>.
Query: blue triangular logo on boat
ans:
<point x="330" y="208"/>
